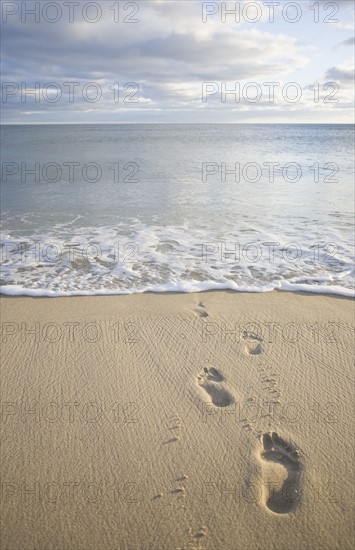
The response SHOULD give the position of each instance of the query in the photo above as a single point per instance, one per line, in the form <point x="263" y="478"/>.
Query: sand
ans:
<point x="214" y="420"/>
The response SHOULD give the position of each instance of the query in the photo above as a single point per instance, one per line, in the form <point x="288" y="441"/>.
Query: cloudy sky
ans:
<point x="171" y="60"/>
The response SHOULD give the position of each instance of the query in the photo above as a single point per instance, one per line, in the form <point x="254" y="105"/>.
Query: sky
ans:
<point x="173" y="61"/>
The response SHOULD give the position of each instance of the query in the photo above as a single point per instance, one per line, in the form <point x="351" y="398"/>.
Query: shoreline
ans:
<point x="199" y="292"/>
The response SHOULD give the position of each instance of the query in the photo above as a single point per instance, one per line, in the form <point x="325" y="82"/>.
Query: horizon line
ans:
<point x="172" y="123"/>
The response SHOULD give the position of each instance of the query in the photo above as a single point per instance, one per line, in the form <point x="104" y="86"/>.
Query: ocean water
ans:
<point x="114" y="209"/>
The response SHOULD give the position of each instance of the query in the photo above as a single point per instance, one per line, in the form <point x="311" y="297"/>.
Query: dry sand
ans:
<point x="213" y="420"/>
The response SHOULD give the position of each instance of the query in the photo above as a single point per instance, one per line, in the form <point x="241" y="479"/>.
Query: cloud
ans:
<point x="169" y="53"/>
<point x="165" y="46"/>
<point x="348" y="42"/>
<point x="342" y="73"/>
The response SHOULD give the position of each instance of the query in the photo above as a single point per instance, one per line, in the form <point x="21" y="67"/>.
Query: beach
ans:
<point x="210" y="420"/>
<point x="177" y="275"/>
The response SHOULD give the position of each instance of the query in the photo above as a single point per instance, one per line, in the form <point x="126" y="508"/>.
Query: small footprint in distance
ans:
<point x="277" y="451"/>
<point x="252" y="343"/>
<point x="200" y="310"/>
<point x="201" y="313"/>
<point x="212" y="381"/>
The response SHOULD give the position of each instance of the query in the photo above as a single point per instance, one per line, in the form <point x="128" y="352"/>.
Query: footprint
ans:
<point x="254" y="348"/>
<point x="252" y="343"/>
<point x="172" y="440"/>
<point x="278" y="452"/>
<point x="201" y="313"/>
<point x="200" y="310"/>
<point x="211" y="380"/>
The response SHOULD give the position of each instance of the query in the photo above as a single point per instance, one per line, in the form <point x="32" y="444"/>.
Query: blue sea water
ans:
<point x="114" y="209"/>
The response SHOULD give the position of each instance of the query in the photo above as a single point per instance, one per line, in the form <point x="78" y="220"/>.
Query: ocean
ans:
<point x="120" y="209"/>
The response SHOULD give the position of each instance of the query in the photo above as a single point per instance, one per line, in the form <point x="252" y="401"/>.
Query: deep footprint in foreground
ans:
<point x="277" y="451"/>
<point x="212" y="381"/>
